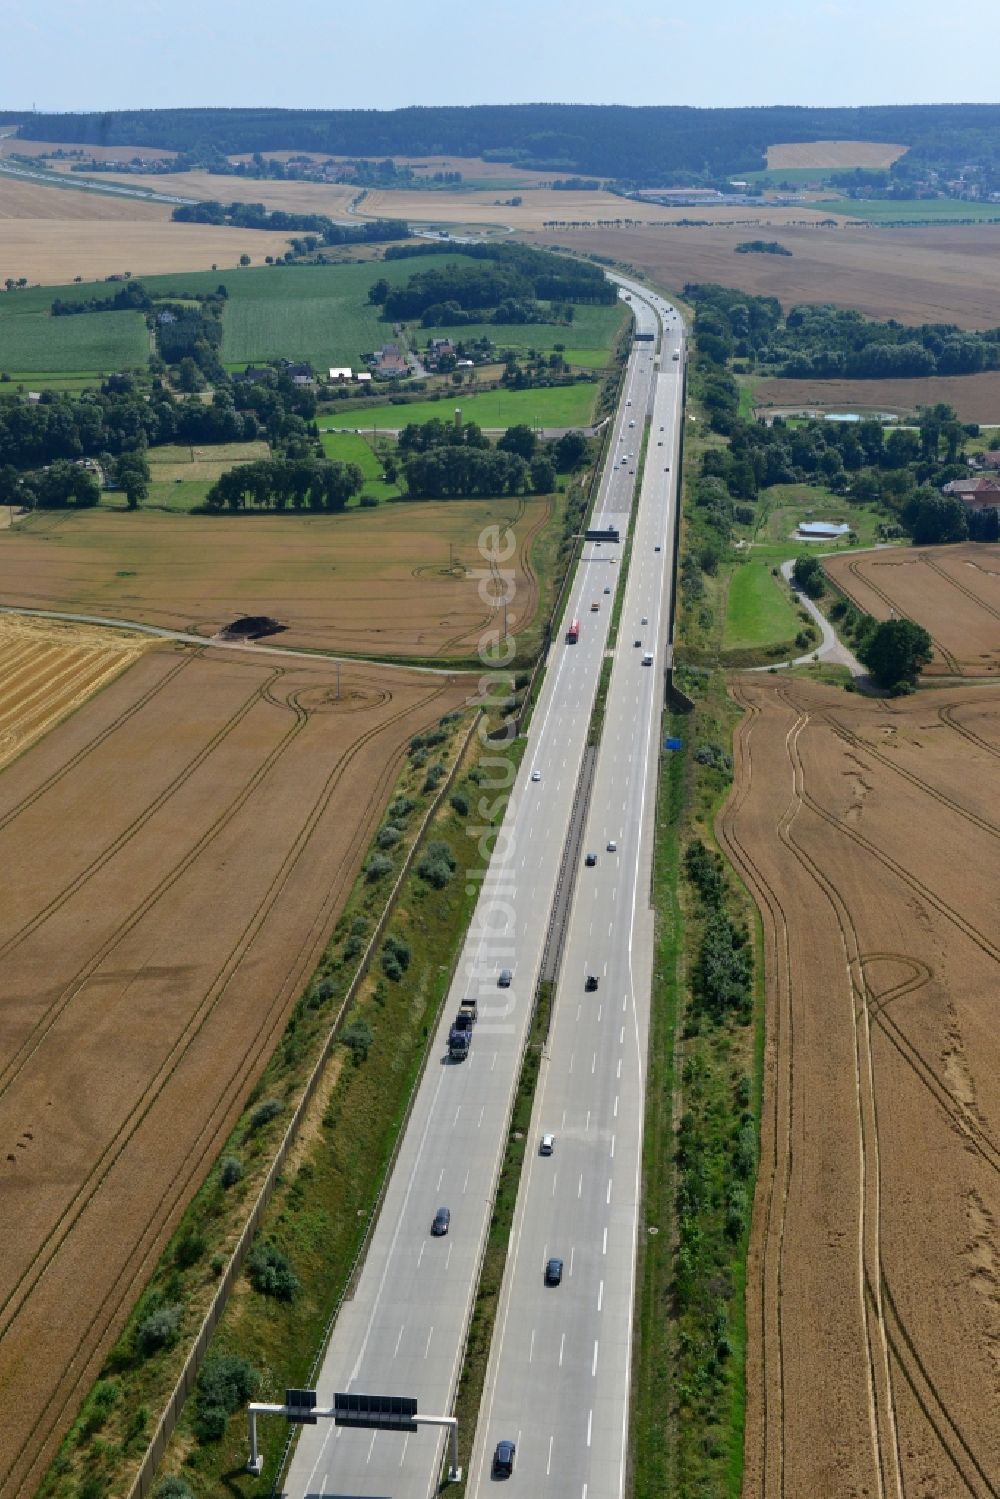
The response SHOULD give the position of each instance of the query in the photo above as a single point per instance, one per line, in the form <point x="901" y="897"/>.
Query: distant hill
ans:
<point x="646" y="146"/>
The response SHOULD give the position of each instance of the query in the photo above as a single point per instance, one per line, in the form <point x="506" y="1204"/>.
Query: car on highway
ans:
<point x="503" y="1459"/>
<point x="548" y="1145"/>
<point x="645" y="620"/>
<point x="612" y="846"/>
<point x="594" y="607"/>
<point x="591" y="983"/>
<point x="590" y="860"/>
<point x="536" y="775"/>
<point x="442" y="1223"/>
<point x="676" y="355"/>
<point x="632" y="422"/>
<point x="647" y="659"/>
<point x="504" y="978"/>
<point x="553" y="1271"/>
<point x="656" y="549"/>
<point x="637" y="642"/>
<point x="607" y="590"/>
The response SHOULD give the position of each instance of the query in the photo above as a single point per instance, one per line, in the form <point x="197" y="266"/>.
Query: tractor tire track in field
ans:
<point x="894" y="1330"/>
<point x="946" y="716"/>
<point x="191" y="1167"/>
<point x="42" y="914"/>
<point x="866" y="582"/>
<point x="890" y="1345"/>
<point x="104" y="734"/>
<point x="766" y="1477"/>
<point x="935" y="567"/>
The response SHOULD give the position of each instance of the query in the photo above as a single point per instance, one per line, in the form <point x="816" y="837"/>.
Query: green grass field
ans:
<point x="917" y="211"/>
<point x="759" y="611"/>
<point x="33" y="341"/>
<point x="587" y="341"/>
<point x="553" y="406"/>
<point x="317" y="313"/>
<point x="181" y="476"/>
<point x="350" y="447"/>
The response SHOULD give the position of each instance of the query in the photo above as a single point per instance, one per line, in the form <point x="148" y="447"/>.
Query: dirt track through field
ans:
<point x="954" y="592"/>
<point x="873" y="1277"/>
<point x="182" y="846"/>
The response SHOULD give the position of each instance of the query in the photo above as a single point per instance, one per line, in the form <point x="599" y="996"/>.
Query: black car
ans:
<point x="503" y="1460"/>
<point x="442" y="1222"/>
<point x="638" y="642"/>
<point x="591" y="983"/>
<point x="553" y="1272"/>
<point x="590" y="860"/>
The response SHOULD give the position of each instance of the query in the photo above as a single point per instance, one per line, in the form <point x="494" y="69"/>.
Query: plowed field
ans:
<point x="868" y="833"/>
<point x="405" y="582"/>
<point x="954" y="592"/>
<point x="173" y="859"/>
<point x="47" y="670"/>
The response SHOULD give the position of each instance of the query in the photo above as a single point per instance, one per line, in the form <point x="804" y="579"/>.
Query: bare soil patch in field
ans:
<point x="954" y="592"/>
<point x="400" y="581"/>
<point x="916" y="275"/>
<point x="976" y="398"/>
<point x="183" y="845"/>
<point x="873" y="1280"/>
<point x="48" y="669"/>
<point x="845" y="154"/>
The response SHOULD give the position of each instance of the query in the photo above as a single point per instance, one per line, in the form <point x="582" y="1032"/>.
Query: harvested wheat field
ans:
<point x="404" y="581"/>
<point x="873" y="1281"/>
<point x="183" y="845"/>
<point x="953" y="591"/>
<point x="48" y="669"/>
<point x="847" y="154"/>
<point x="976" y="398"/>
<point x="51" y="234"/>
<point x="949" y="275"/>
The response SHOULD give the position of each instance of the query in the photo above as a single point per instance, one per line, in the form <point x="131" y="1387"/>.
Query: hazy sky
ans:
<point x="118" y="54"/>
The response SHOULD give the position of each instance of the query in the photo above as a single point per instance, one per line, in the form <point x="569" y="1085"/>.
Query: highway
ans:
<point x="402" y="1332"/>
<point x="558" y="1378"/>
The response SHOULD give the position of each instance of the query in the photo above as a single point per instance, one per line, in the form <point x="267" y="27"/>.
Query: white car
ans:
<point x="548" y="1145"/>
<point x="612" y="846"/>
<point x="536" y="775"/>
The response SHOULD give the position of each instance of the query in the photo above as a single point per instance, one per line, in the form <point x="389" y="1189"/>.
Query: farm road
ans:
<point x="226" y="645"/>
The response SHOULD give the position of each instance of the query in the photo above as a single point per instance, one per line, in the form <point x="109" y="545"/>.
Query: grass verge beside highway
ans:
<point x="702" y="1112"/>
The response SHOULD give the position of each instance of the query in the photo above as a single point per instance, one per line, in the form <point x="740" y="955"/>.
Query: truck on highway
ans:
<point x="573" y="633"/>
<point x="459" y="1042"/>
<point x="470" y="1008"/>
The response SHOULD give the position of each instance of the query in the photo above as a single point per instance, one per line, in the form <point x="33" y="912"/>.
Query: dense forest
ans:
<point x="654" y="145"/>
<point x="504" y="289"/>
<point x="818" y="341"/>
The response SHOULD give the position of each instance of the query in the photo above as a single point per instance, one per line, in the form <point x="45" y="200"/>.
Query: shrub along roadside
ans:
<point x="104" y="1445"/>
<point x="319" y="1213"/>
<point x="700" y="1149"/>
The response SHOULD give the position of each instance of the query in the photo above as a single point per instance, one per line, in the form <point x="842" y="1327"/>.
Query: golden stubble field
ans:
<point x="868" y="834"/>
<point x="931" y="275"/>
<point x="174" y="857"/>
<point x="52" y="234"/>
<point x="48" y="669"/>
<point x="410" y="580"/>
<point x="953" y="591"/>
<point x="846" y="154"/>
